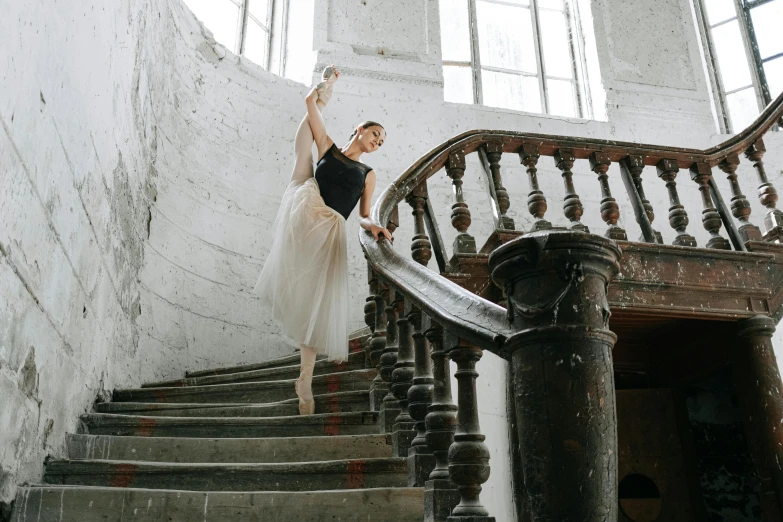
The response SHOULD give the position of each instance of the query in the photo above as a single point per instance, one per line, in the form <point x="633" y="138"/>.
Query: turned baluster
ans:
<point x="369" y="312"/>
<point x="420" y="458"/>
<point x="678" y="216"/>
<point x="701" y="174"/>
<point x="440" y="493"/>
<point x="740" y="206"/>
<point x="464" y="243"/>
<point x="390" y="407"/>
<point x="536" y="201"/>
<point x="768" y="195"/>
<point x="468" y="455"/>
<point x="635" y="165"/>
<point x="610" y="210"/>
<point x="394" y="220"/>
<point x="494" y="150"/>
<point x="378" y="388"/>
<point x="421" y="248"/>
<point x="572" y="205"/>
<point x="401" y="381"/>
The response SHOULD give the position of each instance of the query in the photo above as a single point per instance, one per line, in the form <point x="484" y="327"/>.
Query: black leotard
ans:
<point x="340" y="180"/>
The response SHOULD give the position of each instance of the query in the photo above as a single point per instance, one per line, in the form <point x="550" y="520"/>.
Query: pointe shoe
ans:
<point x="326" y="85"/>
<point x="306" y="407"/>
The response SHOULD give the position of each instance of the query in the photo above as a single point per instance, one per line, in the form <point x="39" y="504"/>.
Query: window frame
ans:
<point x="758" y="77"/>
<point x="576" y="46"/>
<point x="242" y="22"/>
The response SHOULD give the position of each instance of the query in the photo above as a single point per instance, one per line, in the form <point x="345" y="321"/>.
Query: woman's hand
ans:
<point x="380" y="232"/>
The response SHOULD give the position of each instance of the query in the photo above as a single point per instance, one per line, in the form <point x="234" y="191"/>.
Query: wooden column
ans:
<point x="572" y="205"/>
<point x="468" y="454"/>
<point x="561" y="359"/>
<point x="494" y="149"/>
<point x="678" y="216"/>
<point x="390" y="406"/>
<point x="760" y="391"/>
<point x="420" y="458"/>
<point x="610" y="210"/>
<point x="440" y="493"/>
<point x="536" y="201"/>
<point x="421" y="248"/>
<point x="464" y="243"/>
<point x="369" y="312"/>
<point x="740" y="206"/>
<point x="378" y="388"/>
<point x="768" y="195"/>
<point x="402" y="429"/>
<point x="701" y="174"/>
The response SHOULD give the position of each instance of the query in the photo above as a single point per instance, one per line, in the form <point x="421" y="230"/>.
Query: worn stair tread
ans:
<point x="258" y="450"/>
<point x="351" y="423"/>
<point x="356" y="343"/>
<point x="350" y="401"/>
<point x="269" y="391"/>
<point x="355" y="362"/>
<point x="47" y="503"/>
<point x="289" y="476"/>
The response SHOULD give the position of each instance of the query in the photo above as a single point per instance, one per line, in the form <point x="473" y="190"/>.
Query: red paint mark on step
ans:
<point x="355" y="345"/>
<point x="145" y="427"/>
<point x="332" y="426"/>
<point x="160" y="394"/>
<point x="354" y="478"/>
<point x="340" y="366"/>
<point x="332" y="383"/>
<point x="333" y="405"/>
<point x="123" y="475"/>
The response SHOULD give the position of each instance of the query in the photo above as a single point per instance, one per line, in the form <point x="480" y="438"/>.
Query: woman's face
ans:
<point x="371" y="138"/>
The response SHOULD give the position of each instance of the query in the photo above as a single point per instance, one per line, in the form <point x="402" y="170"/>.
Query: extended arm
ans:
<point x="364" y="209"/>
<point x="322" y="140"/>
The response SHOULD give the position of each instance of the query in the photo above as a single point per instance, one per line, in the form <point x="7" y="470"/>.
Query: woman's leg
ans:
<point x="304" y="385"/>
<point x="303" y="150"/>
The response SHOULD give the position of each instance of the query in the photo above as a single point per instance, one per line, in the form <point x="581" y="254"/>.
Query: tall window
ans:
<point x="525" y="55"/>
<point x="745" y="52"/>
<point x="242" y="26"/>
<point x="275" y="34"/>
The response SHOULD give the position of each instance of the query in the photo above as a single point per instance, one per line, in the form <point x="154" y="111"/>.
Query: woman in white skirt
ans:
<point x="304" y="280"/>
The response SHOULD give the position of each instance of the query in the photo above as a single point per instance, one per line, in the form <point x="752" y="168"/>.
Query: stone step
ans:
<point x="326" y="403"/>
<point x="292" y="476"/>
<point x="355" y="362"/>
<point x="245" y="450"/>
<point x="329" y="424"/>
<point x="92" y="504"/>
<point x="356" y="343"/>
<point x="249" y="392"/>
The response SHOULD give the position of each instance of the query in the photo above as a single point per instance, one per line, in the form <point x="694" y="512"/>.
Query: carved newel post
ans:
<point x="760" y="391"/>
<point x="556" y="284"/>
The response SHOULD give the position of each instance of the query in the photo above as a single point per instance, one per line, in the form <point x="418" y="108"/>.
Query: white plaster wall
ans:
<point x="75" y="150"/>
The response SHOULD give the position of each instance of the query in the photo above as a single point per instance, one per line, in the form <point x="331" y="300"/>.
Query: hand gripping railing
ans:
<point x="420" y="320"/>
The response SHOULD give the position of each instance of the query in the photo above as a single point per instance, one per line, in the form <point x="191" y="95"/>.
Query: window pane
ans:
<point x="300" y="57"/>
<point x="454" y="32"/>
<point x="554" y="39"/>
<point x="732" y="60"/>
<point x="767" y="23"/>
<point x="255" y="43"/>
<point x="719" y="10"/>
<point x="743" y="108"/>
<point x="551" y="4"/>
<point x="561" y="98"/>
<point x="511" y="91"/>
<point x="457" y="84"/>
<point x="260" y="9"/>
<point x="774" y="72"/>
<point x="219" y="16"/>
<point x="506" y="37"/>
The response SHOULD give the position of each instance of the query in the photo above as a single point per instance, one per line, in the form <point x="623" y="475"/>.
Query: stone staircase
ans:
<point x="229" y="445"/>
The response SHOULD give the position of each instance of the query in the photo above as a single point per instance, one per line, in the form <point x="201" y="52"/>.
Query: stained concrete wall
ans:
<point x="145" y="165"/>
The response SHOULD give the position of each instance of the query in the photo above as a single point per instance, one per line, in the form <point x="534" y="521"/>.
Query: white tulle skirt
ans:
<point x="304" y="280"/>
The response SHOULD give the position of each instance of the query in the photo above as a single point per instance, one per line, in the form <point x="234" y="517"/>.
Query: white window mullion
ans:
<point x="539" y="56"/>
<point x="475" y="52"/>
<point x="244" y="9"/>
<point x="753" y="62"/>
<point x="576" y="61"/>
<point x="713" y="69"/>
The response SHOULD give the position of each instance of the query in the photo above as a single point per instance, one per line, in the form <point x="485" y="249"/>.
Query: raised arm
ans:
<point x="364" y="209"/>
<point x="322" y="140"/>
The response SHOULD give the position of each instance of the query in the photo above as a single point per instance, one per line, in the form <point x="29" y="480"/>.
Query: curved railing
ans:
<point x="410" y="303"/>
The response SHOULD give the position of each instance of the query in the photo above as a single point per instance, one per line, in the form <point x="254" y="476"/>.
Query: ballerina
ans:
<point x="304" y="280"/>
